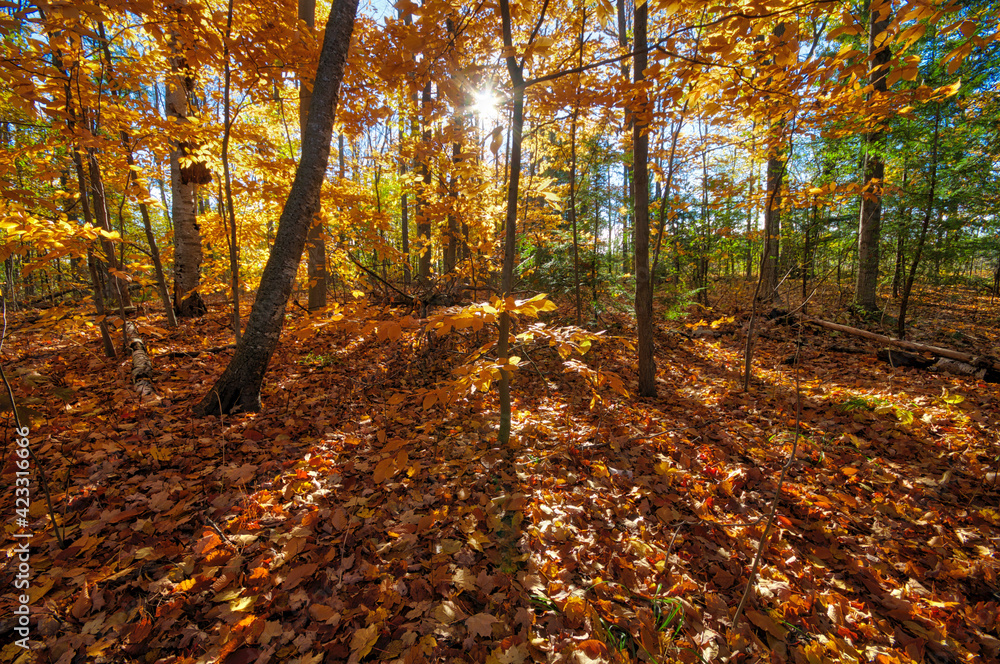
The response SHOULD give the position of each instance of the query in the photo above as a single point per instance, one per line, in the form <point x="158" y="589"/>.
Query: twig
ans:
<point x="196" y="353"/>
<point x="665" y="431"/>
<point x="17" y="423"/>
<point x="751" y="582"/>
<point x="378" y="278"/>
<point x="219" y="532"/>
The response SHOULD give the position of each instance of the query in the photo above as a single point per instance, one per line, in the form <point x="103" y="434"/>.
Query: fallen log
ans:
<point x="983" y="361"/>
<point x="142" y="366"/>
<point x="901" y="358"/>
<point x="196" y="353"/>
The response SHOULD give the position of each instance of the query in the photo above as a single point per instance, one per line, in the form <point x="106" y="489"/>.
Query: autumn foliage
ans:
<point x="558" y="398"/>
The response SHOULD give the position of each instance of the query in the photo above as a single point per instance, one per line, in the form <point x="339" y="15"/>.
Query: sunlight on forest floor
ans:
<point x="350" y="523"/>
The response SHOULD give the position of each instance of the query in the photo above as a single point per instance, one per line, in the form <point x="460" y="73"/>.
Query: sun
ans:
<point x="485" y="104"/>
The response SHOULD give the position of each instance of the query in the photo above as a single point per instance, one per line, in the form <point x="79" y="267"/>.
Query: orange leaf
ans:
<point x="184" y="586"/>
<point x="295" y="577"/>
<point x="386" y="468"/>
<point x="592" y="650"/>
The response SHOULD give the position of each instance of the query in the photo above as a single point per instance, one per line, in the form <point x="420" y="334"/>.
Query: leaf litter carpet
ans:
<point x="348" y="523"/>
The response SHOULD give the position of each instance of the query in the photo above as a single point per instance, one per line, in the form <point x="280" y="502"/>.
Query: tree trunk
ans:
<point x="897" y="272"/>
<point x="240" y="384"/>
<point x="95" y="280"/>
<point x="979" y="361"/>
<point x="595" y="263"/>
<point x="404" y="219"/>
<point x="451" y="246"/>
<point x="98" y="199"/>
<point x="996" y="278"/>
<point x="133" y="181"/>
<point x="316" y="241"/>
<point x="572" y="177"/>
<point x="234" y="246"/>
<point x="751" y="219"/>
<point x="154" y="252"/>
<point x="628" y="177"/>
<point x="643" y="281"/>
<point x="928" y="211"/>
<point x="769" y="261"/>
<point x="870" y="225"/>
<point x="71" y="121"/>
<point x="772" y="227"/>
<point x="183" y="186"/>
<point x="807" y="248"/>
<point x="510" y="224"/>
<point x="423" y="221"/>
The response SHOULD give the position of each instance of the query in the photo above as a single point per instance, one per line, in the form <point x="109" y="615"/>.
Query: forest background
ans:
<point x="605" y="201"/>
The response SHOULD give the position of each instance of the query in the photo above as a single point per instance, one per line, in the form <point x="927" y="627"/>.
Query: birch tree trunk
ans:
<point x="183" y="187"/>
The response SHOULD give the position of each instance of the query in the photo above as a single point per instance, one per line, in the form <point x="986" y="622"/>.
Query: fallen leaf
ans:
<point x="481" y="624"/>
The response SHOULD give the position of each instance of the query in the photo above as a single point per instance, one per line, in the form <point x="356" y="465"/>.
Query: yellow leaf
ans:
<point x="363" y="641"/>
<point x="543" y="44"/>
<point x="496" y="141"/>
<point x="242" y="603"/>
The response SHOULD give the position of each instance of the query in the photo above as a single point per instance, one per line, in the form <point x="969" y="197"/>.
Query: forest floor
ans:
<point x="355" y="518"/>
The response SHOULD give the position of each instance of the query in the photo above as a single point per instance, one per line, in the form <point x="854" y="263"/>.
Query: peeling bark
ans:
<point x="142" y="366"/>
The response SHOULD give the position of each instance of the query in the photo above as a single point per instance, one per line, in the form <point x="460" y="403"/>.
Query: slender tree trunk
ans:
<point x="184" y="184"/>
<point x="572" y="179"/>
<point x="772" y="226"/>
<point x="133" y="181"/>
<point x="510" y="224"/>
<point x="451" y="246"/>
<point x="404" y="220"/>
<point x="81" y="178"/>
<point x="234" y="246"/>
<point x="928" y="211"/>
<point x="870" y="225"/>
<point x="597" y="238"/>
<point x="807" y="248"/>
<point x="904" y="225"/>
<point x="643" y="281"/>
<point x="768" y="283"/>
<point x="95" y="279"/>
<point x="702" y="242"/>
<point x="572" y="217"/>
<point x="628" y="177"/>
<point x="750" y="206"/>
<point x="897" y="272"/>
<point x="239" y="386"/>
<point x="116" y="280"/>
<point x="423" y="221"/>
